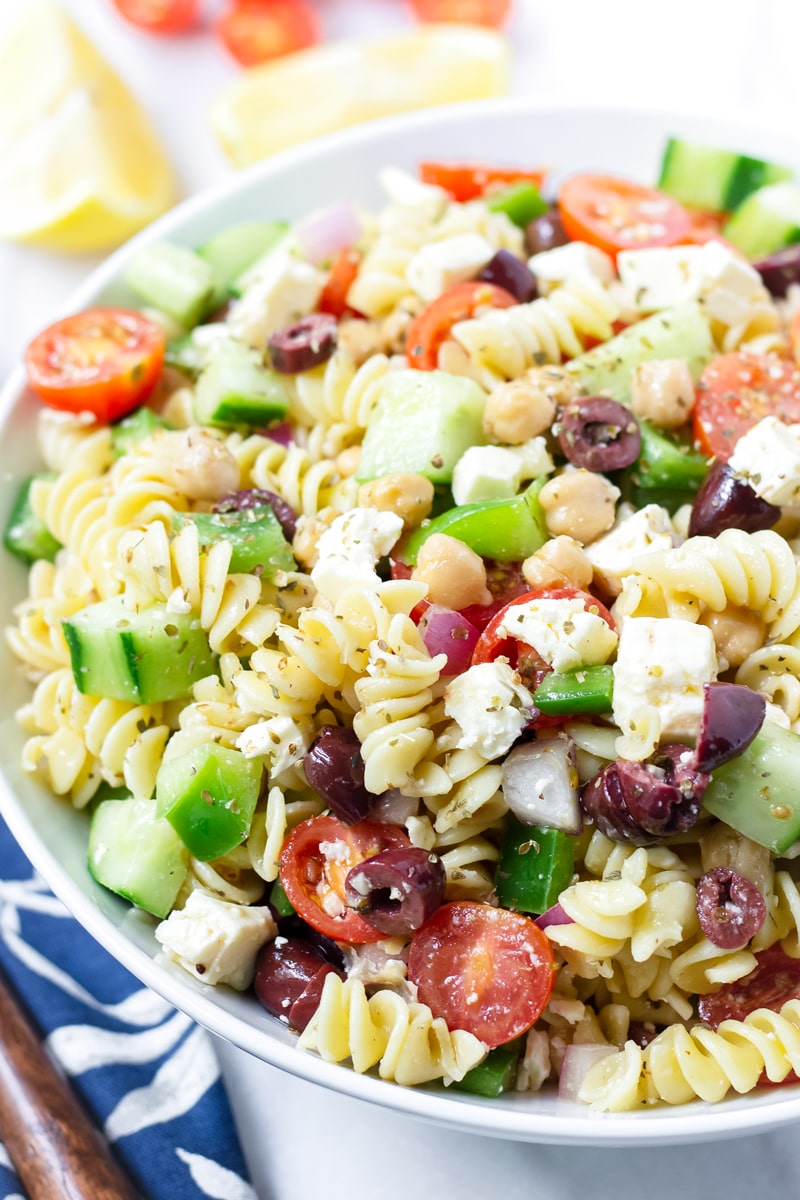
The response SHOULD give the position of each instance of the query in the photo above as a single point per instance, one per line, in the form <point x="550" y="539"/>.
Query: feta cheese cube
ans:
<point x="350" y="548"/>
<point x="486" y="473"/>
<point x="440" y="265"/>
<point x="662" y="665"/>
<point x="562" y="631"/>
<point x="661" y="276"/>
<point x="279" y="739"/>
<point x="613" y="554"/>
<point x="488" y="703"/>
<point x="576" y="260"/>
<point x="406" y="190"/>
<point x="729" y="286"/>
<point x="768" y="458"/>
<point x="285" y="290"/>
<point x="216" y="941"/>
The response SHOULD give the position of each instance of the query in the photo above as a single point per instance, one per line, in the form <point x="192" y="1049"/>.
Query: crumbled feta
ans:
<point x="662" y="276"/>
<point x="350" y="548"/>
<point x="285" y="290"/>
<point x="280" y="740"/>
<point x="768" y="458"/>
<point x="612" y="554"/>
<point x="440" y="265"/>
<point x="378" y="964"/>
<point x="575" y="260"/>
<point x="406" y="190"/>
<point x="178" y="602"/>
<point x="729" y="285"/>
<point x="217" y="941"/>
<point x="488" y="703"/>
<point x="497" y="472"/>
<point x="662" y="665"/>
<point x="562" y="631"/>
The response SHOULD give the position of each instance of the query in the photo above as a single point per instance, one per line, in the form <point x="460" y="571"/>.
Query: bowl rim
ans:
<point x="577" y="1125"/>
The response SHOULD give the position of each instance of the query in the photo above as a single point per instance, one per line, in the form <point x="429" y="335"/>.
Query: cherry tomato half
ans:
<point x="734" y="393"/>
<point x="159" y="16"/>
<point x="468" y="181"/>
<point x="255" y="31"/>
<point x="104" y="361"/>
<point x="483" y="969"/>
<point x="775" y="980"/>
<point x="333" y="299"/>
<point x="315" y="859"/>
<point x="430" y="329"/>
<point x="492" y="13"/>
<point x="615" y="214"/>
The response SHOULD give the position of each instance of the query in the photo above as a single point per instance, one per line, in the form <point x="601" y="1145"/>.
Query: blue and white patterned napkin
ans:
<point x="147" y="1073"/>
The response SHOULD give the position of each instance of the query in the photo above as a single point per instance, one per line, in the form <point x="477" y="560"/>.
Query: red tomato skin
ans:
<point x="468" y="181"/>
<point x="492" y="13"/>
<point x="333" y="299"/>
<point x="159" y="16"/>
<point x="775" y="980"/>
<point x="735" y="391"/>
<point x="255" y="31"/>
<point x="105" y="361"/>
<point x="491" y="645"/>
<point x="303" y="867"/>
<point x="614" y="214"/>
<point x="429" y="330"/>
<point x="484" y="969"/>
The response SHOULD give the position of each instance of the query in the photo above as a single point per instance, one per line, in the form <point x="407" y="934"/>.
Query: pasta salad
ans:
<point x="414" y="606"/>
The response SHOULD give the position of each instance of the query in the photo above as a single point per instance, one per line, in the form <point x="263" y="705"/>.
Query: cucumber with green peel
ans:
<point x="130" y="431"/>
<point x="506" y="530"/>
<point x="144" y="655"/>
<point x="26" y="534"/>
<point x="137" y="854"/>
<point x="233" y="251"/>
<point x="679" y="332"/>
<point x="192" y="351"/>
<point x="756" y="793"/>
<point x="209" y="795"/>
<point x="174" y="279"/>
<point x="711" y="178"/>
<point x="767" y="221"/>
<point x="235" y="388"/>
<point x="255" y="535"/>
<point x="422" y="424"/>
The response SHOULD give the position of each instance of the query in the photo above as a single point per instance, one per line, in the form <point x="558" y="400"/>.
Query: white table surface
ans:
<point x="734" y="58"/>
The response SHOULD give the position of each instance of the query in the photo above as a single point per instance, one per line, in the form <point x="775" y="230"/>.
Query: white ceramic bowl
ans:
<point x="54" y="836"/>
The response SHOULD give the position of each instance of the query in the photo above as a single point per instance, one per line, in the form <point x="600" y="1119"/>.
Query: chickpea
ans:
<point x="203" y="467"/>
<point x="408" y="495"/>
<point x="663" y="392"/>
<point x="347" y="461"/>
<point x="738" y="633"/>
<point x="580" y="504"/>
<point x="557" y="562"/>
<point x="455" y="574"/>
<point x="523" y="408"/>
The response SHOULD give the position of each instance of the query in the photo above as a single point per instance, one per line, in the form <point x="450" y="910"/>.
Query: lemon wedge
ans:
<point x="80" y="166"/>
<point x="316" y="91"/>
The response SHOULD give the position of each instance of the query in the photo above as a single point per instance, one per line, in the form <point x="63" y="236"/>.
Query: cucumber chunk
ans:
<point x="505" y="530"/>
<point x="233" y="251"/>
<point x="235" y="388"/>
<point x="26" y="534"/>
<point x="767" y="221"/>
<point x="255" y="535"/>
<point x="137" y="854"/>
<point x="707" y="177"/>
<point x="680" y="332"/>
<point x="174" y="279"/>
<point x="209" y="795"/>
<point x="756" y="793"/>
<point x="128" y="432"/>
<point x="423" y="422"/>
<point x="145" y="655"/>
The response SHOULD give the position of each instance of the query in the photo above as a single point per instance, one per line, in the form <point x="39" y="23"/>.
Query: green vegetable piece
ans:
<point x="710" y="178"/>
<point x="680" y="332"/>
<point x="506" y="530"/>
<point x="423" y="422"/>
<point x="521" y="203"/>
<point x="128" y="432"/>
<point x="184" y="354"/>
<point x="174" y="279"/>
<point x="26" y="534"/>
<point x="255" y="536"/>
<point x="587" y="690"/>
<point x="757" y="793"/>
<point x="666" y="462"/>
<point x="535" y="866"/>
<point x="137" y="854"/>
<point x="233" y="251"/>
<point x="280" y="901"/>
<point x="145" y="655"/>
<point x="209" y="795"/>
<point x="235" y="388"/>
<point x="495" y="1075"/>
<point x="767" y="221"/>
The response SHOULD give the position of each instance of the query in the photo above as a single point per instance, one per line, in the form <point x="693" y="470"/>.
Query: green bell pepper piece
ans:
<point x="757" y="793"/>
<point x="666" y="462"/>
<point x="255" y="535"/>
<point x="506" y="530"/>
<point x="534" y="868"/>
<point x="495" y="1075"/>
<point x="280" y="901"/>
<point x="521" y="203"/>
<point x="209" y="795"/>
<point x="587" y="690"/>
<point x="26" y="534"/>
<point x="128" y="432"/>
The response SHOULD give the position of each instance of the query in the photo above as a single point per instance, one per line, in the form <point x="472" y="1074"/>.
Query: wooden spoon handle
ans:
<point x="57" y="1151"/>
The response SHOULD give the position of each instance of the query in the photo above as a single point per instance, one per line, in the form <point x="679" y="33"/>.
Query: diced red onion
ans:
<point x="554" y="916"/>
<point x="540" y="784"/>
<point x="324" y="234"/>
<point x="577" y="1061"/>
<point x="283" y="434"/>
<point x="393" y="808"/>
<point x="447" y="632"/>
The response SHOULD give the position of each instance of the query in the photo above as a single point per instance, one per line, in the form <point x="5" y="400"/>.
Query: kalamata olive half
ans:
<point x="731" y="908"/>
<point x="640" y="803"/>
<point x="545" y="233"/>
<point x="507" y="271"/>
<point x="247" y="498"/>
<point x="732" y="716"/>
<point x="780" y="270"/>
<point x="397" y="890"/>
<point x="334" y="768"/>
<point x="290" y="975"/>
<point x="725" y="501"/>
<point x="304" y="345"/>
<point x="599" y="434"/>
